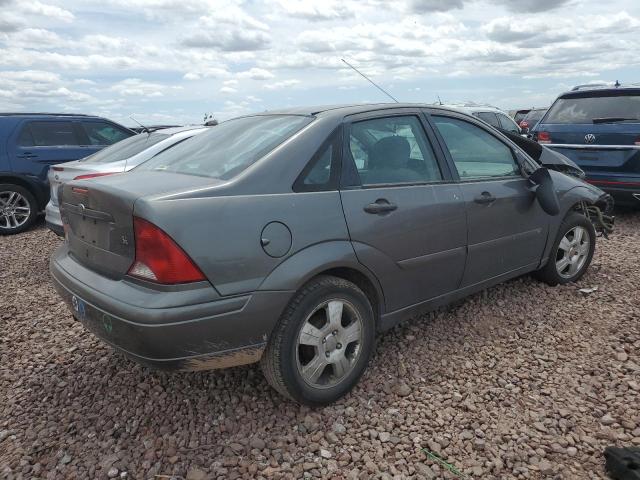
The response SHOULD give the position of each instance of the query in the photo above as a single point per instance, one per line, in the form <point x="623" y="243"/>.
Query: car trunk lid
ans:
<point x="98" y="215"/>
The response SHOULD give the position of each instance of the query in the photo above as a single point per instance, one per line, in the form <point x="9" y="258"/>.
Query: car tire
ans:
<point x="18" y="209"/>
<point x="322" y="343"/>
<point x="570" y="256"/>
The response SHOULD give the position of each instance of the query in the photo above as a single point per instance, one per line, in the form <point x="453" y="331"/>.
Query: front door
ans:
<point x="507" y="227"/>
<point x="406" y="218"/>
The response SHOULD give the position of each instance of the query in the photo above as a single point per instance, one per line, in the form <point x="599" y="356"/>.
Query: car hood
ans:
<point x="557" y="161"/>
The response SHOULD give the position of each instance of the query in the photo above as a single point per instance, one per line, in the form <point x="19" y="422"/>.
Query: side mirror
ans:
<point x="542" y="185"/>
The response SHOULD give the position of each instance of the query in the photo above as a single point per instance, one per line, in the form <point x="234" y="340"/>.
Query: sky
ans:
<point x="173" y="61"/>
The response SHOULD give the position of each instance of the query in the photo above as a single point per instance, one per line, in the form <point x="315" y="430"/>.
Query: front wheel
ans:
<point x="322" y="343"/>
<point x="572" y="251"/>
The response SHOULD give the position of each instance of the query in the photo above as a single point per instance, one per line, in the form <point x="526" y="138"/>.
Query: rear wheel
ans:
<point x="572" y="251"/>
<point x="322" y="343"/>
<point x="18" y="209"/>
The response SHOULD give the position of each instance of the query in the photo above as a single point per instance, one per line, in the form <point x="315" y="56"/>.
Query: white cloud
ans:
<point x="282" y="84"/>
<point x="256" y="74"/>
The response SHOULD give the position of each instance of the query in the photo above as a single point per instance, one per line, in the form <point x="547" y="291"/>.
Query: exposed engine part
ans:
<point x="600" y="214"/>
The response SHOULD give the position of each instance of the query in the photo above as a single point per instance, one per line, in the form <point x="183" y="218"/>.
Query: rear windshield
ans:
<point x="535" y="115"/>
<point x="599" y="109"/>
<point x="126" y="148"/>
<point x="229" y="148"/>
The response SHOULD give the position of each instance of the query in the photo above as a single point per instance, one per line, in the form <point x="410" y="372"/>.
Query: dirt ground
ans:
<point x="520" y="381"/>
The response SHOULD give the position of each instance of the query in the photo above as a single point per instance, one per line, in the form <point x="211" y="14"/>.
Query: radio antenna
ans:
<point x="370" y="81"/>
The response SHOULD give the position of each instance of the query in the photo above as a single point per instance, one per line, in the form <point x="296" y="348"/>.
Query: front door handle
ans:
<point x="484" y="198"/>
<point x="380" y="206"/>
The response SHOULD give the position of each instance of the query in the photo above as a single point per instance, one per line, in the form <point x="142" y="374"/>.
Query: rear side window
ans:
<point x="48" y="134"/>
<point x="321" y="173"/>
<point x="104" y="133"/>
<point x="476" y="153"/>
<point x="392" y="150"/>
<point x="229" y="148"/>
<point x="595" y="109"/>
<point x="488" y="117"/>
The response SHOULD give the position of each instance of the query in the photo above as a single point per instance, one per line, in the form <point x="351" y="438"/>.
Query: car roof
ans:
<point x="42" y="114"/>
<point x="604" y="90"/>
<point x="474" y="108"/>
<point x="174" y="130"/>
<point x="350" y="109"/>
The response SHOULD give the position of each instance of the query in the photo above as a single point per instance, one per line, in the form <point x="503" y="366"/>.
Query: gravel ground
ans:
<point x="521" y="381"/>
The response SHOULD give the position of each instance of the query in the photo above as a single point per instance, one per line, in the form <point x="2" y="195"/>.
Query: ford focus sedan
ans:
<point x="292" y="238"/>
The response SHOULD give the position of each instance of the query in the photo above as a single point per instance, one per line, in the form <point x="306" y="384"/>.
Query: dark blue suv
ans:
<point x="29" y="144"/>
<point x="598" y="127"/>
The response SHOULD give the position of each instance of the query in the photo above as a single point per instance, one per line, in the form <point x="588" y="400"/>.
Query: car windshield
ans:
<point x="590" y="109"/>
<point x="126" y="148"/>
<point x="230" y="147"/>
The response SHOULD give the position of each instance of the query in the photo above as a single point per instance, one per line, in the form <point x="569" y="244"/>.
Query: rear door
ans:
<point x="507" y="228"/>
<point x="406" y="217"/>
<point x="37" y="144"/>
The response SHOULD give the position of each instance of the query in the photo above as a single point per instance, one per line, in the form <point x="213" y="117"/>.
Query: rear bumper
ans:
<point x="53" y="219"/>
<point x="183" y="328"/>
<point x="625" y="192"/>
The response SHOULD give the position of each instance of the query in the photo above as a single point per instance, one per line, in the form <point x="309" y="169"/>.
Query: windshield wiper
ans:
<point x="614" y="119"/>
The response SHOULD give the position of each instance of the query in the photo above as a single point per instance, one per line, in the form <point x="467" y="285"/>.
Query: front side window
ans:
<point x="52" y="134"/>
<point x="103" y="133"/>
<point x="392" y="150"/>
<point x="595" y="109"/>
<point x="230" y="147"/>
<point x="476" y="153"/>
<point x="507" y="124"/>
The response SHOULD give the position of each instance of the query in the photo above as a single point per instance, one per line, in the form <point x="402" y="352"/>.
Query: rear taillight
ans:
<point x="637" y="142"/>
<point x="544" y="137"/>
<point x="94" y="175"/>
<point x="57" y="169"/>
<point x="159" y="259"/>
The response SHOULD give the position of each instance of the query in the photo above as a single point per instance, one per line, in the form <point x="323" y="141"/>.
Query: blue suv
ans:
<point x="29" y="144"/>
<point x="598" y="127"/>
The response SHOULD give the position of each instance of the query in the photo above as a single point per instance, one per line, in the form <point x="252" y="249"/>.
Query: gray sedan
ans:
<point x="291" y="238"/>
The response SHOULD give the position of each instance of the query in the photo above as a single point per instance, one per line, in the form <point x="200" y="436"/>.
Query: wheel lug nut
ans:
<point x="339" y="345"/>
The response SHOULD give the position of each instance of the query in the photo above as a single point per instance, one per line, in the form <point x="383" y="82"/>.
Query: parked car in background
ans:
<point x="531" y="119"/>
<point x="120" y="157"/>
<point x="152" y="128"/>
<point x="598" y="127"/>
<point x="519" y="115"/>
<point x="292" y="237"/>
<point x="492" y="115"/>
<point x="29" y="144"/>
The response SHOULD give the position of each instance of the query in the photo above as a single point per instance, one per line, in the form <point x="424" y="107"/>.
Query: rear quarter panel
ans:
<point x="223" y="234"/>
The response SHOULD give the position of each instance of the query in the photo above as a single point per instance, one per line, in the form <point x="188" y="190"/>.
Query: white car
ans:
<point x="492" y="115"/>
<point x="118" y="158"/>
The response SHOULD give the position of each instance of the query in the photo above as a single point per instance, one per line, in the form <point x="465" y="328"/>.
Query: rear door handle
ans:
<point x="27" y="155"/>
<point x="484" y="198"/>
<point x="380" y="206"/>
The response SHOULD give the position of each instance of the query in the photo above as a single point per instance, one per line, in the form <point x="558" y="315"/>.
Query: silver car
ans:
<point x="117" y="158"/>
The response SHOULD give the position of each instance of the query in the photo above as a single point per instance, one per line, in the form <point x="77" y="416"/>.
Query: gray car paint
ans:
<point x="437" y="246"/>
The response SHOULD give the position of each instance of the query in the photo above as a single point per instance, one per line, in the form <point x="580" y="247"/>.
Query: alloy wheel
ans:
<point x="14" y="210"/>
<point x="329" y="343"/>
<point x="573" y="252"/>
